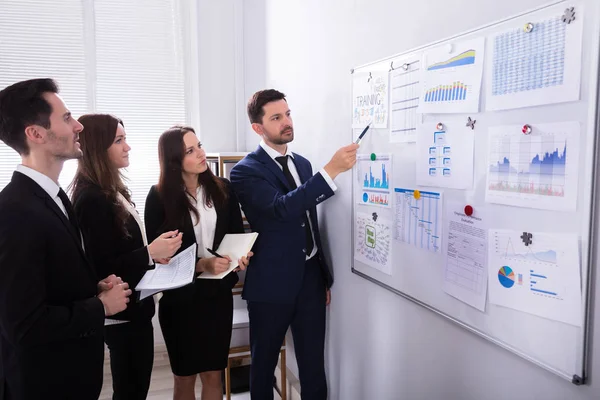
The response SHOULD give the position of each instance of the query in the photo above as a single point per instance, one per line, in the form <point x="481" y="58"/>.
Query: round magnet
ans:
<point x="405" y="66"/>
<point x="417" y="194"/>
<point x="528" y="27"/>
<point x="468" y="210"/>
<point x="439" y="126"/>
<point x="373" y="156"/>
<point x="526" y="129"/>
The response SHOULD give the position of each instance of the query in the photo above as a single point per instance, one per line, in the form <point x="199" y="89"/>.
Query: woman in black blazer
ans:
<point x="196" y="319"/>
<point x="116" y="244"/>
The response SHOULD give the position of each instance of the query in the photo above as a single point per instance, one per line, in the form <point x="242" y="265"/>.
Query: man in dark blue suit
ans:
<point x="288" y="282"/>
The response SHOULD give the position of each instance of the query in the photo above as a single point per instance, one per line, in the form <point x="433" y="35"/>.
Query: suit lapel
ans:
<point x="302" y="171"/>
<point x="271" y="165"/>
<point x="51" y="204"/>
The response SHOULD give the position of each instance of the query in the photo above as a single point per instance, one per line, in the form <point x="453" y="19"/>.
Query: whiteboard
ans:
<point x="417" y="275"/>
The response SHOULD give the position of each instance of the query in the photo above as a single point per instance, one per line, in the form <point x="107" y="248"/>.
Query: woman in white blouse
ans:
<point x="196" y="319"/>
<point x="115" y="243"/>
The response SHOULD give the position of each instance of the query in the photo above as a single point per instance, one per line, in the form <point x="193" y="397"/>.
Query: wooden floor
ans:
<point x="161" y="387"/>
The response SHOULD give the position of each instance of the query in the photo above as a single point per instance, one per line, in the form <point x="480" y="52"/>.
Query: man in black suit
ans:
<point x="52" y="307"/>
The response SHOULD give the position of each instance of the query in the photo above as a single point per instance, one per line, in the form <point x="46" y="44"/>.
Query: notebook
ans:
<point x="234" y="245"/>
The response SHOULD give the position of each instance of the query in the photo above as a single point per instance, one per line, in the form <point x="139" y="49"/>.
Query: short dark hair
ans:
<point x="22" y="104"/>
<point x="258" y="100"/>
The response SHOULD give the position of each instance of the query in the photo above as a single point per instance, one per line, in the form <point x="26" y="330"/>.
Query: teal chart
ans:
<point x="418" y="218"/>
<point x="541" y="277"/>
<point x="374" y="178"/>
<point x="538" y="170"/>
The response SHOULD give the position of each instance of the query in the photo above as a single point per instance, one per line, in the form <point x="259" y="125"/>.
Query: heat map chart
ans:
<point x="535" y="170"/>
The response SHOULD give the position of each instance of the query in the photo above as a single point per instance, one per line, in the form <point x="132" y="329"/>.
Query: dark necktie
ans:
<point x="283" y="160"/>
<point x="71" y="214"/>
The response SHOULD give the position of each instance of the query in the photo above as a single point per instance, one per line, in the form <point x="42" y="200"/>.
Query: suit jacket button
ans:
<point x="304" y="251"/>
<point x="303" y="224"/>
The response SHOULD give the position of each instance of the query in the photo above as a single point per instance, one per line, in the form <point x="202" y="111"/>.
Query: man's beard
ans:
<point x="64" y="154"/>
<point x="284" y="140"/>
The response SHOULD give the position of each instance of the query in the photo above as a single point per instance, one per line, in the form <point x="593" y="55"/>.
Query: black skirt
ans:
<point x="196" y="324"/>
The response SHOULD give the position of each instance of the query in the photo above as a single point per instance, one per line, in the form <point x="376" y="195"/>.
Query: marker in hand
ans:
<point x="363" y="133"/>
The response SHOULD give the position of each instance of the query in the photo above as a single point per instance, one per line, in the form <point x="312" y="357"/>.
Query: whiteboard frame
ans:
<point x="593" y="154"/>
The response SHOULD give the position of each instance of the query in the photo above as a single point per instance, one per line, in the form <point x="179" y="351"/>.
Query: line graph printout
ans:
<point x="451" y="80"/>
<point x="465" y="272"/>
<point x="445" y="156"/>
<point x="542" y="278"/>
<point x="538" y="170"/>
<point x="373" y="240"/>
<point x="418" y="218"/>
<point x="534" y="68"/>
<point x="374" y="177"/>
<point x="405" y="91"/>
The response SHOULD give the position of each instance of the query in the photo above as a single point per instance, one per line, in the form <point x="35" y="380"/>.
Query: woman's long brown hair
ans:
<point x="171" y="187"/>
<point x="95" y="168"/>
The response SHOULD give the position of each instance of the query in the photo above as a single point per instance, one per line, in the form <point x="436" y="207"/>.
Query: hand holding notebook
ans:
<point x="234" y="246"/>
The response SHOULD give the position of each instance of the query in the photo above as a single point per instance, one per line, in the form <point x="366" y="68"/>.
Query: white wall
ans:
<point x="217" y="102"/>
<point x="380" y="346"/>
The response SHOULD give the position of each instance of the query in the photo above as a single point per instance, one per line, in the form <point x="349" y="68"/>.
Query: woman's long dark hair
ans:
<point x="95" y="168"/>
<point x="171" y="187"/>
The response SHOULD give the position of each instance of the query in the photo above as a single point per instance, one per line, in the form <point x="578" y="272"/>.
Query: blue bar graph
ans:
<point x="544" y="292"/>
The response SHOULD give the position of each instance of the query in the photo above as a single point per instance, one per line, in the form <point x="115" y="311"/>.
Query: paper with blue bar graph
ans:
<point x="373" y="241"/>
<point x="374" y="179"/>
<point x="539" y="170"/>
<point x="445" y="156"/>
<point x="418" y="218"/>
<point x="541" y="278"/>
<point x="451" y="79"/>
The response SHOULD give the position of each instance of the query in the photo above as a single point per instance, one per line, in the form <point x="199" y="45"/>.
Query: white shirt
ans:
<point x="131" y="209"/>
<point x="136" y="216"/>
<point x="46" y="183"/>
<point x="292" y="167"/>
<point x="204" y="229"/>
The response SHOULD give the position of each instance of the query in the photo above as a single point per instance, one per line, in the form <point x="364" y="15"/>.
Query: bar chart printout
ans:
<point x="540" y="278"/>
<point x="374" y="179"/>
<point x="418" y="219"/>
<point x="538" y="170"/>
<point x="451" y="81"/>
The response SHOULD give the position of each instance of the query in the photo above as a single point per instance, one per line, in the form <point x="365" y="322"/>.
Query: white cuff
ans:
<point x="328" y="179"/>
<point x="150" y="261"/>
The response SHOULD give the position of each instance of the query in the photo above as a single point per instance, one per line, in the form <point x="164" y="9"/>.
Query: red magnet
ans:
<point x="468" y="211"/>
<point x="526" y="129"/>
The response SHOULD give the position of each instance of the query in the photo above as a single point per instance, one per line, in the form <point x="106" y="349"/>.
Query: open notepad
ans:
<point x="236" y="246"/>
<point x="179" y="272"/>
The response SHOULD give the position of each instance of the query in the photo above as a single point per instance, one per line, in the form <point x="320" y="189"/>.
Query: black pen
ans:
<point x="214" y="253"/>
<point x="363" y="133"/>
